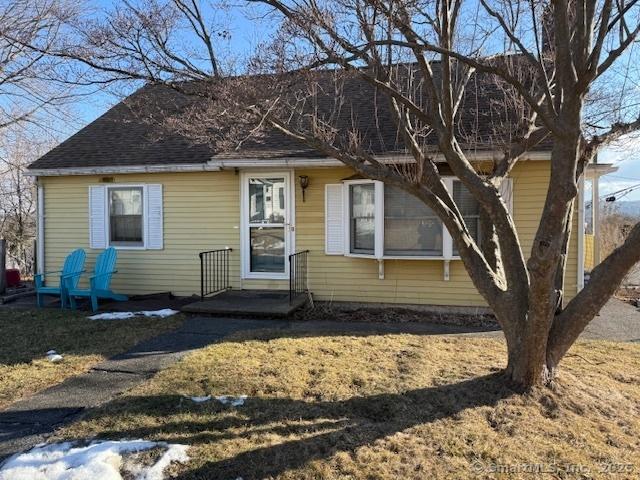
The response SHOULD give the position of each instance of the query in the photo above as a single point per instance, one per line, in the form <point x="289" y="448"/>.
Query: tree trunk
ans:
<point x="527" y="353"/>
<point x="527" y="366"/>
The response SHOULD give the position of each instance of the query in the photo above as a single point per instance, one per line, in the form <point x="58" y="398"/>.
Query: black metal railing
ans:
<point x="214" y="271"/>
<point x="298" y="273"/>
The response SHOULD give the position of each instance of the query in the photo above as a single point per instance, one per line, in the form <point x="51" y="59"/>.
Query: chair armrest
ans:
<point x="65" y="279"/>
<point x="73" y="274"/>
<point x="102" y="274"/>
<point x="39" y="277"/>
<point x="48" y="273"/>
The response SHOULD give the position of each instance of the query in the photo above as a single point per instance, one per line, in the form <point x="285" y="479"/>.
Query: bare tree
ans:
<point x="33" y="84"/>
<point x="545" y="63"/>
<point x="18" y="148"/>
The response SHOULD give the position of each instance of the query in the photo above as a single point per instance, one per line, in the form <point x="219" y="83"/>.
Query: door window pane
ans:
<point x="410" y="227"/>
<point x="267" y="249"/>
<point x="362" y="212"/>
<point x="125" y="216"/>
<point x="469" y="208"/>
<point x="266" y="200"/>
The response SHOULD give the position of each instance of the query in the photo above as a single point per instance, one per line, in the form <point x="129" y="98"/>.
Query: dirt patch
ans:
<point x="323" y="312"/>
<point x="155" y="301"/>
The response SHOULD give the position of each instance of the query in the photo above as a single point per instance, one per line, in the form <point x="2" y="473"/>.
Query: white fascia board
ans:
<point x="115" y="170"/>
<point x="596" y="170"/>
<point x="217" y="165"/>
<point x="331" y="162"/>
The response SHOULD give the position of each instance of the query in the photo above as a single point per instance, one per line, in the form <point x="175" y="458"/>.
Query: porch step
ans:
<point x="254" y="303"/>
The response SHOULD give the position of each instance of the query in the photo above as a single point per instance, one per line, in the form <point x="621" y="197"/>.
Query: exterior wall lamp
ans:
<point x="304" y="183"/>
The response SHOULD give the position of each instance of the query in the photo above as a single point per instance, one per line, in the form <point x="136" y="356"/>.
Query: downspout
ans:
<point x="40" y="228"/>
<point x="581" y="233"/>
<point x="595" y="202"/>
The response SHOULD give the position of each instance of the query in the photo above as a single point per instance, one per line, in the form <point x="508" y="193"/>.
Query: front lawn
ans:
<point x="27" y="335"/>
<point x="383" y="407"/>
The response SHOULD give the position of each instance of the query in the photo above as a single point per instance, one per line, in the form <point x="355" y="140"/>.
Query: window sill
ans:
<point x="128" y="247"/>
<point x="398" y="257"/>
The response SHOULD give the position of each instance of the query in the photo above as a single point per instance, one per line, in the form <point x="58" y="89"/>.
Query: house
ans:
<point x="161" y="200"/>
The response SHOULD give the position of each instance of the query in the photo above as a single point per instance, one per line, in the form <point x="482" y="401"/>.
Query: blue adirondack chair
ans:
<point x="99" y="282"/>
<point x="69" y="276"/>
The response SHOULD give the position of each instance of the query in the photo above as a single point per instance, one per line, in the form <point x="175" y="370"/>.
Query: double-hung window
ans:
<point x="126" y="216"/>
<point x="362" y="218"/>
<point x="381" y="221"/>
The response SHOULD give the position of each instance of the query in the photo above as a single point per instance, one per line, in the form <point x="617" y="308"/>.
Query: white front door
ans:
<point x="267" y="230"/>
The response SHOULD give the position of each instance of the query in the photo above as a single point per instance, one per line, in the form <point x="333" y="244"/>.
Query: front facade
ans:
<point x="161" y="200"/>
<point x="366" y="242"/>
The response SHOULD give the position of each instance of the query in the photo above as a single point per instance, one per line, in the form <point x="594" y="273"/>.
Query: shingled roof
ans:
<point x="124" y="136"/>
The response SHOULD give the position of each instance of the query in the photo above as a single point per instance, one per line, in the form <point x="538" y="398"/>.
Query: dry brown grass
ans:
<point x="26" y="336"/>
<point x="385" y="407"/>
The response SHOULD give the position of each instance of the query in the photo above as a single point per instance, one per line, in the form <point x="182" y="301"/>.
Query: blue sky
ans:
<point x="627" y="159"/>
<point x="245" y="34"/>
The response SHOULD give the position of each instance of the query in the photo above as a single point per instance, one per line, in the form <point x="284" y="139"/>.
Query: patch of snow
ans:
<point x="230" y="400"/>
<point x="113" y="316"/>
<point x="98" y="460"/>
<point x="200" y="399"/>
<point x="165" y="312"/>
<point x="174" y="453"/>
<point x="54" y="357"/>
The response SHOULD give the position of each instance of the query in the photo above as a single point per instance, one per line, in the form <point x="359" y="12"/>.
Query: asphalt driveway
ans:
<point x="618" y="321"/>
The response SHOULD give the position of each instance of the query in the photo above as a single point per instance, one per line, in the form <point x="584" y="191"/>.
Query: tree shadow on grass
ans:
<point x="313" y="430"/>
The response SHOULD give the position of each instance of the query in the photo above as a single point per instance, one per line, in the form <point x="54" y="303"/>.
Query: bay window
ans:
<point x="387" y="222"/>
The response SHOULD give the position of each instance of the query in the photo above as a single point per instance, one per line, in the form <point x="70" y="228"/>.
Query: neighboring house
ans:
<point x="161" y="200"/>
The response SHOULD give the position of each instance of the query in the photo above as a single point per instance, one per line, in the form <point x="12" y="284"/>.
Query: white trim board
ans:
<point x="215" y="165"/>
<point x="40" y="233"/>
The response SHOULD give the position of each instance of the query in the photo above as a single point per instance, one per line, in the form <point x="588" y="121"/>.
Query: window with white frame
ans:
<point x="410" y="227"/>
<point x="362" y="218"/>
<point x="382" y="221"/>
<point x="469" y="208"/>
<point x="126" y="226"/>
<point x="126" y="216"/>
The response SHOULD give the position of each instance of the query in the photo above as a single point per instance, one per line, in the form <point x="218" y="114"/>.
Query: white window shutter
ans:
<point x="154" y="217"/>
<point x="97" y="217"/>
<point x="334" y="220"/>
<point x="506" y="191"/>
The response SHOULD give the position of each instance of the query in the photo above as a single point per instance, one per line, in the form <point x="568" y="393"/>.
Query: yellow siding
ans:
<point x="341" y="278"/>
<point x="589" y="256"/>
<point x="202" y="212"/>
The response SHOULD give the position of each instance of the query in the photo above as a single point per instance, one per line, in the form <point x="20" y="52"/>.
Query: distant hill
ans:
<point x="628" y="208"/>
